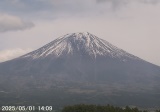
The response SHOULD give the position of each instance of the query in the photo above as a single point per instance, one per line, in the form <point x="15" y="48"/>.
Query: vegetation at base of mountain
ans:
<point x="100" y="108"/>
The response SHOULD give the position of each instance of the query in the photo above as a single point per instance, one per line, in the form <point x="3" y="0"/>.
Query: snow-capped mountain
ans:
<point x="79" y="42"/>
<point x="79" y="68"/>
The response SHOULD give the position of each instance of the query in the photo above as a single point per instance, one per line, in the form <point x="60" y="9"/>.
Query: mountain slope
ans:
<point x="79" y="42"/>
<point x="79" y="68"/>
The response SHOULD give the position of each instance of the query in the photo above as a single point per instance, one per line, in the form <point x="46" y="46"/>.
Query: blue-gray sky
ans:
<point x="133" y="25"/>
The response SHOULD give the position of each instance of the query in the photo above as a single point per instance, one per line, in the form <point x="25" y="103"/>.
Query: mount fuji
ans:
<point x="79" y="68"/>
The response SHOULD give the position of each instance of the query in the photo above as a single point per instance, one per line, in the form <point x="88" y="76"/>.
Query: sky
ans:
<point x="132" y="25"/>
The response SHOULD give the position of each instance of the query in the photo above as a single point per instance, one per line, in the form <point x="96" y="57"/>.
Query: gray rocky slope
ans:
<point x="79" y="68"/>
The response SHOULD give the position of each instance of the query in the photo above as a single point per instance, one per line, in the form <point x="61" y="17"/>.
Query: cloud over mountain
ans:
<point x="13" y="23"/>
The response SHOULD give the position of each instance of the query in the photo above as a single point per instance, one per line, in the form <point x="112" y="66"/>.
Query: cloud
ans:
<point x="150" y="1"/>
<point x="116" y="4"/>
<point x="12" y="53"/>
<point x="13" y="23"/>
<point x="52" y="9"/>
<point x="128" y="1"/>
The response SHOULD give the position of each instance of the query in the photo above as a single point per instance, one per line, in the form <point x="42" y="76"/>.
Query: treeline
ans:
<point x="98" y="108"/>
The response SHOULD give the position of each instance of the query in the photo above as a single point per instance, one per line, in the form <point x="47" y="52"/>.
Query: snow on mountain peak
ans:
<point x="81" y="42"/>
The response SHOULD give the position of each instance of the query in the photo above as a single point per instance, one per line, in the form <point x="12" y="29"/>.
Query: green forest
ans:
<point x="100" y="108"/>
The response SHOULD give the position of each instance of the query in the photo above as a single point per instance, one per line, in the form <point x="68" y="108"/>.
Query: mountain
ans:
<point x="79" y="68"/>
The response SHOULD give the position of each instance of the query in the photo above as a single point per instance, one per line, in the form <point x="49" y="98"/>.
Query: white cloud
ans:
<point x="12" y="53"/>
<point x="13" y="23"/>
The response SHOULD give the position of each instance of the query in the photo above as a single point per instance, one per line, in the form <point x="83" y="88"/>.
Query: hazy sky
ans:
<point x="133" y="25"/>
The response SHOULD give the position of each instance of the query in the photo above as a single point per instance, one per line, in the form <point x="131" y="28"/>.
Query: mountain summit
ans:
<point x="79" y="68"/>
<point x="83" y="42"/>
